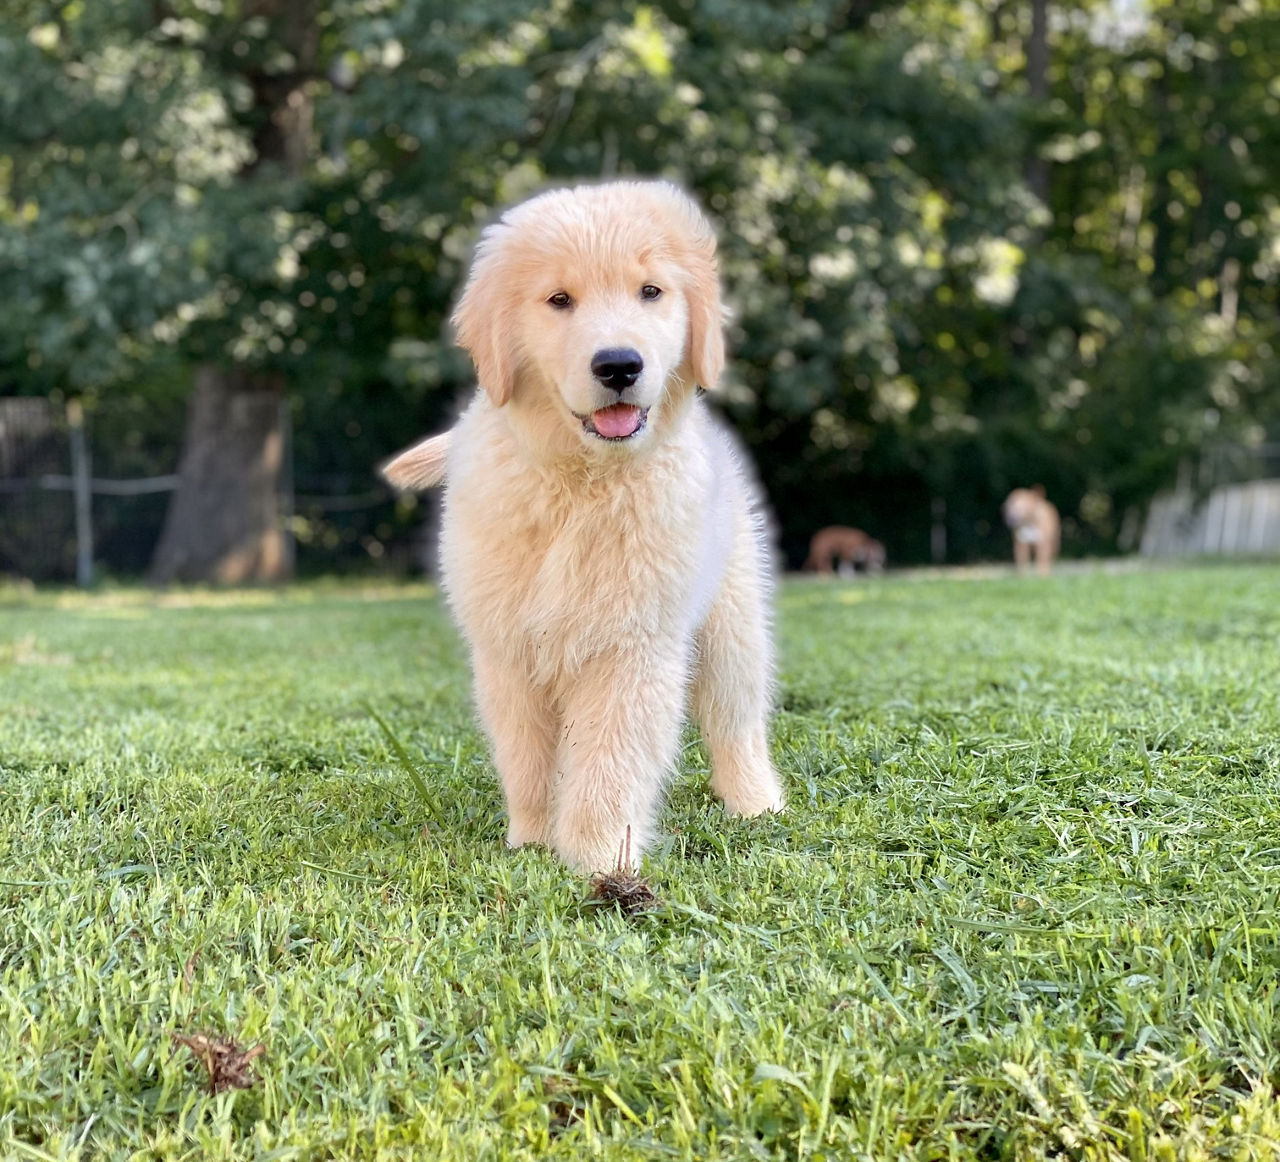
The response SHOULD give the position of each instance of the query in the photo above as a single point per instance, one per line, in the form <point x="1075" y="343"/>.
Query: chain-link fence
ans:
<point x="37" y="521"/>
<point x="85" y="494"/>
<point x="57" y="516"/>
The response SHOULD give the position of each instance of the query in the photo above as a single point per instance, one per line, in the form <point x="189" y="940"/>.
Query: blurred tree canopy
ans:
<point x="969" y="245"/>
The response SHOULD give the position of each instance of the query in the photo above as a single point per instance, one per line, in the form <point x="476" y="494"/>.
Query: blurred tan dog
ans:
<point x="1035" y="526"/>
<point x="602" y="544"/>
<point x="839" y="549"/>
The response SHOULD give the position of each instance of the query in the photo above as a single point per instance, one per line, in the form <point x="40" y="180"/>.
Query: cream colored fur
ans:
<point x="602" y="586"/>
<point x="421" y="466"/>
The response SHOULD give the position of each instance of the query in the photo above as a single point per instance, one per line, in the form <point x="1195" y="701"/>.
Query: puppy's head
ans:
<point x="599" y="302"/>
<point x="1022" y="505"/>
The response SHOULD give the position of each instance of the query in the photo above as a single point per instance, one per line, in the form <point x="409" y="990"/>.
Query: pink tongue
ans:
<point x="622" y="419"/>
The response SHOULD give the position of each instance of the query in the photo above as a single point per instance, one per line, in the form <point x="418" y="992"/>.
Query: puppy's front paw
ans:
<point x="590" y="851"/>
<point x="751" y="794"/>
<point x="528" y="828"/>
<point x="756" y="805"/>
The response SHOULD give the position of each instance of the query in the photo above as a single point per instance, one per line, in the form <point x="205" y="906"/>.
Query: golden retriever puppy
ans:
<point x="1036" y="529"/>
<point x="602" y="544"/>
<point x="839" y="549"/>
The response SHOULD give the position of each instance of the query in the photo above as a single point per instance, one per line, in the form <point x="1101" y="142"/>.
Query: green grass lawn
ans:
<point x="1025" y="902"/>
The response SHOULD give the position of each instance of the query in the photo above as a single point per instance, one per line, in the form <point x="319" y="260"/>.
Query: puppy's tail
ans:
<point x="418" y="467"/>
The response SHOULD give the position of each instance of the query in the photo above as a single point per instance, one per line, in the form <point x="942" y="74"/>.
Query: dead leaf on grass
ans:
<point x="622" y="888"/>
<point x="227" y="1064"/>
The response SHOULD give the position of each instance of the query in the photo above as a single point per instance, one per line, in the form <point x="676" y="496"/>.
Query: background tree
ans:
<point x="969" y="246"/>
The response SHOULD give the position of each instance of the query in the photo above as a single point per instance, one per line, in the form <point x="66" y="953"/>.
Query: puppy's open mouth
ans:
<point x="621" y="421"/>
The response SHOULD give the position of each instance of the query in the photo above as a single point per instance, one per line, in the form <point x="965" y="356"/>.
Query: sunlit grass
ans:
<point x="1025" y="902"/>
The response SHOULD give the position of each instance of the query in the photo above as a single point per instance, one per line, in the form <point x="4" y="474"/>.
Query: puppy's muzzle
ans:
<point x="617" y="368"/>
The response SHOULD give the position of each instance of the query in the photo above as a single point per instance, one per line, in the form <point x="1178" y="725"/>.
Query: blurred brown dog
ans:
<point x="1036" y="529"/>
<point x="839" y="549"/>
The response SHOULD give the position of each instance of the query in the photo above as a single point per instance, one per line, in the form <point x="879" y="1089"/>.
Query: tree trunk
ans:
<point x="224" y="522"/>
<point x="1037" y="52"/>
<point x="1162" y="242"/>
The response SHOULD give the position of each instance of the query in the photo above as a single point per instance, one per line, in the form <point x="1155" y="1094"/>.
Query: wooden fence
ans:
<point x="1233" y="520"/>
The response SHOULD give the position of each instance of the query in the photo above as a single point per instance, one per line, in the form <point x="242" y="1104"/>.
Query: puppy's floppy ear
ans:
<point x="483" y="330"/>
<point x="702" y="287"/>
<point x="706" y="322"/>
<point x="421" y="466"/>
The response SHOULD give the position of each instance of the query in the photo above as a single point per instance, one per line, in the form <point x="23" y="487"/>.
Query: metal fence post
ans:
<point x="82" y="488"/>
<point x="938" y="530"/>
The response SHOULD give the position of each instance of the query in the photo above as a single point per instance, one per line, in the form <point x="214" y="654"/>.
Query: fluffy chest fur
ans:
<point x="553" y="564"/>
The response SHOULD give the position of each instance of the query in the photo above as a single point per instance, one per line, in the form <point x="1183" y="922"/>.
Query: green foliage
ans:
<point x="1022" y="904"/>
<point x="910" y="322"/>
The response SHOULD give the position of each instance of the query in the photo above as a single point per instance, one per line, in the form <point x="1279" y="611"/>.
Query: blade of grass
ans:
<point x="407" y="765"/>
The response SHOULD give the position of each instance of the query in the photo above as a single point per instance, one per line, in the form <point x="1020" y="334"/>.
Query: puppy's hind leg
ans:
<point x="731" y="696"/>
<point x="521" y="725"/>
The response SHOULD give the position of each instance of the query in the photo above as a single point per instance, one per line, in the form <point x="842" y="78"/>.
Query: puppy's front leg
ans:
<point x="620" y="739"/>
<point x="522" y="729"/>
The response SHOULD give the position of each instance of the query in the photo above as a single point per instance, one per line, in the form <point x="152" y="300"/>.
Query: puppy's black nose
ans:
<point x="617" y="367"/>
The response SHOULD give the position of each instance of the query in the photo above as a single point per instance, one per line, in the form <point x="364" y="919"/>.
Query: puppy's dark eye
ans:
<point x="649" y="292"/>
<point x="561" y="301"/>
